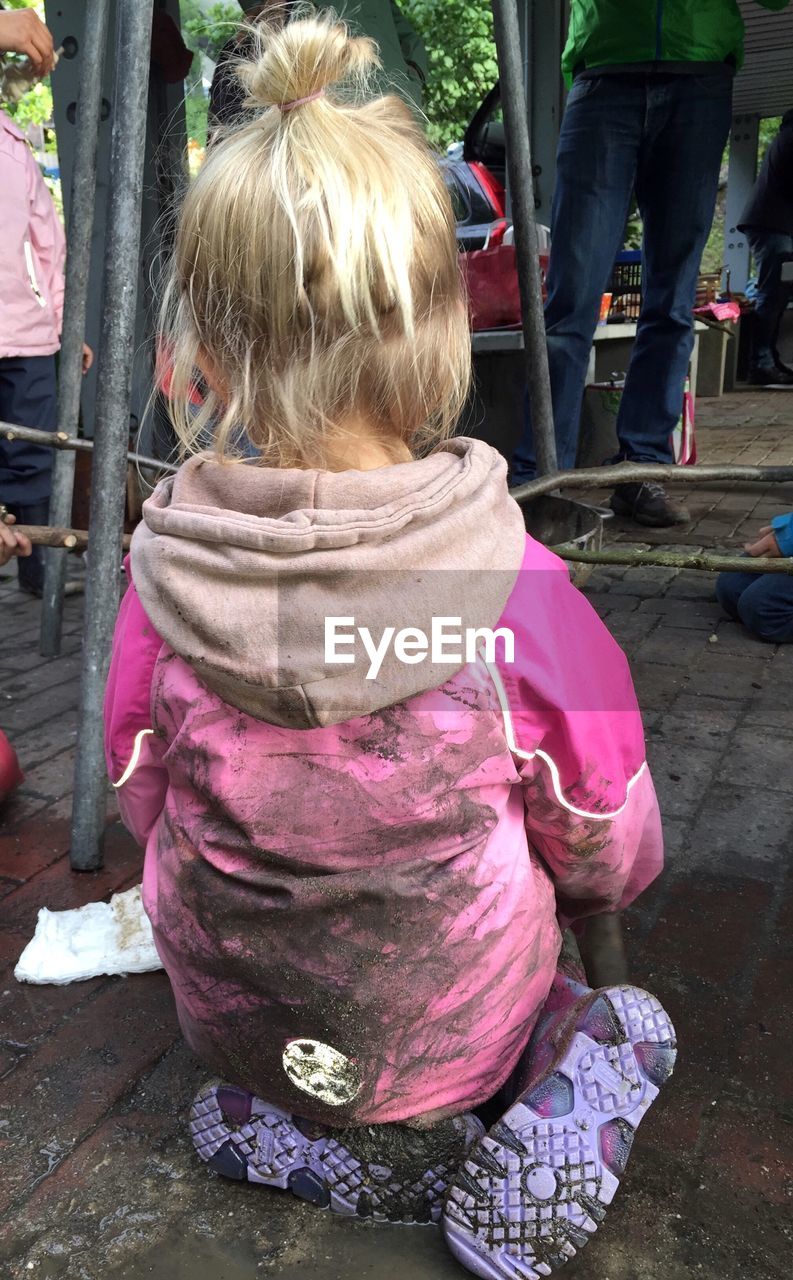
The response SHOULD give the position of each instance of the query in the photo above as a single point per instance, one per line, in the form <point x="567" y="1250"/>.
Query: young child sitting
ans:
<point x="362" y="845"/>
<point x="763" y="602"/>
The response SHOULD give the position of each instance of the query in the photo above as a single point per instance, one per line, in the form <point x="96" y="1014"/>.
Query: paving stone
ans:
<point x="672" y="646"/>
<point x="29" y="1014"/>
<point x="742" y="675"/>
<point x="60" y="889"/>
<point x="650" y="719"/>
<point x="27" y="850"/>
<point x="734" y="640"/>
<point x="38" y="707"/>
<point x="707" y="928"/>
<point x="604" y="575"/>
<point x="618" y="602"/>
<point x="693" y="584"/>
<point x="74" y="1078"/>
<point x="749" y="1137"/>
<point x="690" y="1096"/>
<point x="757" y="758"/>
<point x="743" y="830"/>
<point x="676" y="836"/>
<point x="50" y="674"/>
<point x="644" y="583"/>
<point x="742" y="500"/>
<point x="46" y="740"/>
<point x="27" y="658"/>
<point x="600" y="601"/>
<point x="657" y="686"/>
<point x="629" y="628"/>
<point x="43" y="784"/>
<point x="696" y="720"/>
<point x="701" y="615"/>
<point x="761" y="1062"/>
<point x="681" y="775"/>
<point x="768" y="709"/>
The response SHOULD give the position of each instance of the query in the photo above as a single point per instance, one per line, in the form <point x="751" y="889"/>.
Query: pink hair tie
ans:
<point x="298" y="102"/>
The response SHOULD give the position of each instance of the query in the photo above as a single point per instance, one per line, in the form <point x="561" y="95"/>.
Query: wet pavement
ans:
<point x="98" y="1178"/>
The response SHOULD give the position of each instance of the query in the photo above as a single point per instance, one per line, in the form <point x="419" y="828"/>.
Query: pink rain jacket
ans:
<point x="356" y="885"/>
<point x="33" y="252"/>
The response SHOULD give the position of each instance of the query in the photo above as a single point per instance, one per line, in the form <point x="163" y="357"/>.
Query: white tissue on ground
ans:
<point x="104" y="938"/>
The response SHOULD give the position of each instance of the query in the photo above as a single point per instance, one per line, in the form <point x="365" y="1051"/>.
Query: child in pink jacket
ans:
<point x="31" y="314"/>
<point x="379" y="750"/>
<point x="31" y="317"/>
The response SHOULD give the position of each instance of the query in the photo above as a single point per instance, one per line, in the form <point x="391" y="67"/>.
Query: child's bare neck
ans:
<point x="359" y="446"/>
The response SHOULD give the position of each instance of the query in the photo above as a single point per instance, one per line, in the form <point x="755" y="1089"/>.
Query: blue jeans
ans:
<point x="662" y="135"/>
<point x="29" y="397"/>
<point x="763" y="602"/>
<point x="770" y="249"/>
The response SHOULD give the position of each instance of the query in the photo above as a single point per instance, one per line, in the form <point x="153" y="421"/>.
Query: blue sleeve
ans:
<point x="783" y="531"/>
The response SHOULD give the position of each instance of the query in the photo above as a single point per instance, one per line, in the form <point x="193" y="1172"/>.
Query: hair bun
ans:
<point x="298" y="60"/>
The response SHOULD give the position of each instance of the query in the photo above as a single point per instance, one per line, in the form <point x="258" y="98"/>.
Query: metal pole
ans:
<point x="516" y="121"/>
<point x="78" y="265"/>
<point x="133" y="45"/>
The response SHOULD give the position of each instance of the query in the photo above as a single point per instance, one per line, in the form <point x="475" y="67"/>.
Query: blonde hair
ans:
<point x="315" y="268"/>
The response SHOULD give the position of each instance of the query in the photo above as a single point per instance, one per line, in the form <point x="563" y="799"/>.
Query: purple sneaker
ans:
<point x="390" y="1173"/>
<point x="533" y="1190"/>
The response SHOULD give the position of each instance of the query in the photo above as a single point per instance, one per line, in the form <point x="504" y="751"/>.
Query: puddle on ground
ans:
<point x="336" y="1251"/>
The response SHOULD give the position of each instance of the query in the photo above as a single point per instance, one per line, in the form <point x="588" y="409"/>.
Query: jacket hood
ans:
<point x="239" y="568"/>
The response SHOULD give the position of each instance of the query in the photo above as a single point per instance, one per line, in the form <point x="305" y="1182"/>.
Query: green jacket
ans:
<point x="615" y="32"/>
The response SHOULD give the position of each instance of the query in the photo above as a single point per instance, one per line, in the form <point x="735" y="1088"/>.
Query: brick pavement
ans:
<point x="98" y="1176"/>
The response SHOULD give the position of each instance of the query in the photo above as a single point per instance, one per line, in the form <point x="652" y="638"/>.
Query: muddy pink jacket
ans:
<point x="356" y="886"/>
<point x="33" y="252"/>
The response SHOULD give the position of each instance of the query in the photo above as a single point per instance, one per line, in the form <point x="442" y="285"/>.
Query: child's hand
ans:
<point x="766" y="544"/>
<point x="11" y="543"/>
<point x="88" y="358"/>
<point x="22" y="31"/>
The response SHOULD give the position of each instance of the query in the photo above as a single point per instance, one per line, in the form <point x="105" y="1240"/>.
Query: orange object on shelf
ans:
<point x="605" y="307"/>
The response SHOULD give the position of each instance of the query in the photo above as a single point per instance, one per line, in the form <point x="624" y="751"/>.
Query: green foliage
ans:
<point x="207" y="30"/>
<point x="634" y="228"/>
<point x="769" y="128"/>
<point x="462" y="59"/>
<point x="195" y="107"/>
<point x="34" y="108"/>
<point x="713" y="257"/>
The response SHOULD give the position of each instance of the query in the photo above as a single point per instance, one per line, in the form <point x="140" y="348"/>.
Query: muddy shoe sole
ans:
<point x="531" y="1192"/>
<point x="242" y="1137"/>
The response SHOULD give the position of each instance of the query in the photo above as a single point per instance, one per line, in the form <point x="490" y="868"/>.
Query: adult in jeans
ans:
<point x="763" y="602"/>
<point x="767" y="221"/>
<point x="649" y="110"/>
